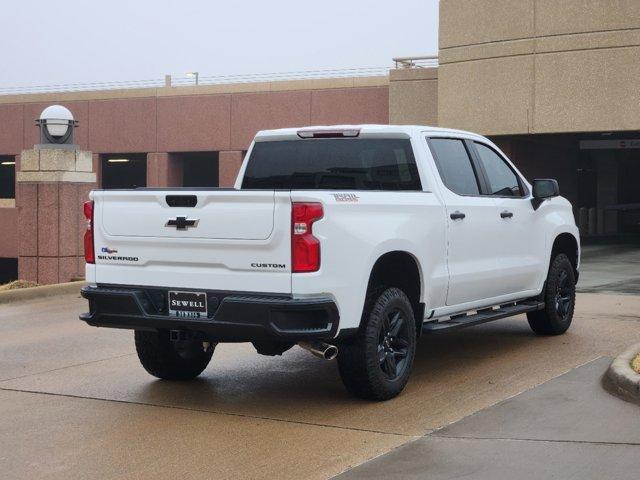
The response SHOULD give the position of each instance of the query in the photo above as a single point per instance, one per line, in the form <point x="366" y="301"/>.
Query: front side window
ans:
<point x="502" y="179"/>
<point x="333" y="164"/>
<point x="454" y="165"/>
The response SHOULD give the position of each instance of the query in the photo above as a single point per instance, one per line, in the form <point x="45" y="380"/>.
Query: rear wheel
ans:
<point x="377" y="363"/>
<point x="171" y="360"/>
<point x="559" y="298"/>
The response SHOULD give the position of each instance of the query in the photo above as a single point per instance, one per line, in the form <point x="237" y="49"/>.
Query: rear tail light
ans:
<point x="89" y="255"/>
<point x="305" y="248"/>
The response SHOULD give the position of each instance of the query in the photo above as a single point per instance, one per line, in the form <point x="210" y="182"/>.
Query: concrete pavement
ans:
<point x="610" y="269"/>
<point x="569" y="427"/>
<point x="77" y="404"/>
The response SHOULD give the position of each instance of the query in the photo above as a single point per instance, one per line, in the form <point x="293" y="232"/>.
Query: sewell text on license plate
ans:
<point x="188" y="304"/>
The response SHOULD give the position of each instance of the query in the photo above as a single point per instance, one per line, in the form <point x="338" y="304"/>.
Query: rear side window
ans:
<point x="502" y="180"/>
<point x="332" y="164"/>
<point x="454" y="165"/>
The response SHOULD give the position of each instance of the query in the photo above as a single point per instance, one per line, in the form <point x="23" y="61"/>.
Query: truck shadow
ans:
<point x="451" y="373"/>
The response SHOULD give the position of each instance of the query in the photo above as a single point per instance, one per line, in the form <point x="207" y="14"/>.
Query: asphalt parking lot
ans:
<point x="77" y="404"/>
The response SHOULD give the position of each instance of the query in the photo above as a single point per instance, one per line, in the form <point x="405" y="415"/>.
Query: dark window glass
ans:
<point x="124" y="170"/>
<point x="200" y="169"/>
<point x="502" y="180"/>
<point x="333" y="164"/>
<point x="454" y="165"/>
<point x="7" y="176"/>
<point x="8" y="270"/>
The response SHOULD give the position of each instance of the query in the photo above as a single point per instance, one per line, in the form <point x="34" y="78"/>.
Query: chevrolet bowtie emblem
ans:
<point x="182" y="223"/>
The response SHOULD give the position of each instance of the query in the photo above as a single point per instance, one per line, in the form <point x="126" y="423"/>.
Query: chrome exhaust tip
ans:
<point x="320" y="349"/>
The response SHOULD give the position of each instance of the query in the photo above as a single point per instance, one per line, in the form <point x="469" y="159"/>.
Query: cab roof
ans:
<point x="364" y="130"/>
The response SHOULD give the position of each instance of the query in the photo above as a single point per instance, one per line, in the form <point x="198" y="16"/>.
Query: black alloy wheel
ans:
<point x="559" y="296"/>
<point x="564" y="295"/>
<point x="393" y="344"/>
<point x="376" y="364"/>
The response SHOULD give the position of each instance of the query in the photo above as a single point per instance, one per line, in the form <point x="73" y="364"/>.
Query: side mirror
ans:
<point x="544" y="188"/>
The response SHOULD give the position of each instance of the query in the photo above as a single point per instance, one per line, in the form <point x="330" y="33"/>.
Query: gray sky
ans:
<point x="81" y="41"/>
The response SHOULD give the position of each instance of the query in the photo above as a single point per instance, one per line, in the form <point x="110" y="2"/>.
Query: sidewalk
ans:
<point x="568" y="427"/>
<point x="610" y="269"/>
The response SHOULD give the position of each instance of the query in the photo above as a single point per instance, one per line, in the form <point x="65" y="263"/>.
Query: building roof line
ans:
<point x="184" y="80"/>
<point x="213" y="89"/>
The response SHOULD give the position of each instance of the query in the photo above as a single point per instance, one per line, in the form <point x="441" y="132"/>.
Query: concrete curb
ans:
<point x="22" y="294"/>
<point x="622" y="377"/>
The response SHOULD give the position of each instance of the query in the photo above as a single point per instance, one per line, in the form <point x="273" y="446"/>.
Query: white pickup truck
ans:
<point x="350" y="241"/>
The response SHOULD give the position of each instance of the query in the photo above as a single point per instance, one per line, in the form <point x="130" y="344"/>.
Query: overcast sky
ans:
<point x="80" y="41"/>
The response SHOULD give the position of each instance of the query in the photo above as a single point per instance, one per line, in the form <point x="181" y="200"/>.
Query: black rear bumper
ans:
<point x="233" y="317"/>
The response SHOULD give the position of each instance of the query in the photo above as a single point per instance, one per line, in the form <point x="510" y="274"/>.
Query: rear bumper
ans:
<point x="233" y="316"/>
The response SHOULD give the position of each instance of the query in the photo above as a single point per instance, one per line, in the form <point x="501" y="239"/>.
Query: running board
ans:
<point x="464" y="320"/>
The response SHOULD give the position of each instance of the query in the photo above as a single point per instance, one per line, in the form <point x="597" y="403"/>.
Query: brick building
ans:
<point x="555" y="84"/>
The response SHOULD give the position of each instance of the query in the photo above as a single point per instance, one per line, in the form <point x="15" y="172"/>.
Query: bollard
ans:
<point x="592" y="222"/>
<point x="600" y="221"/>
<point x="583" y="221"/>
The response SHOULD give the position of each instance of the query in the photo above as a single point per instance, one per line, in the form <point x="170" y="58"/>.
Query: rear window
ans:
<point x="333" y="164"/>
<point x="454" y="165"/>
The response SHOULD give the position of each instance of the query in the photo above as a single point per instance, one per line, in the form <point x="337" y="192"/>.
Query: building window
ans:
<point x="199" y="169"/>
<point x="7" y="177"/>
<point x="8" y="270"/>
<point x="124" y="170"/>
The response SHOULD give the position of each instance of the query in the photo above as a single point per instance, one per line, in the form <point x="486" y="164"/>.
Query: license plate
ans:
<point x="188" y="304"/>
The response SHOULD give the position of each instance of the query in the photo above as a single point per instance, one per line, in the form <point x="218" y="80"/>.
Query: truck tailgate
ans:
<point x="206" y="239"/>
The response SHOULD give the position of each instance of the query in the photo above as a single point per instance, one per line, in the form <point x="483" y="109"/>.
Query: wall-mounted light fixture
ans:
<point x="118" y="160"/>
<point x="56" y="127"/>
<point x="193" y="75"/>
<point x="8" y="163"/>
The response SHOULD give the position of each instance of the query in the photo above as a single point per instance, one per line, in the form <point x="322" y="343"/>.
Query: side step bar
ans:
<point x="463" y="320"/>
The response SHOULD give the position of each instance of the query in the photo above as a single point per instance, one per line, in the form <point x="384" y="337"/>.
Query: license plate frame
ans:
<point x="187" y="304"/>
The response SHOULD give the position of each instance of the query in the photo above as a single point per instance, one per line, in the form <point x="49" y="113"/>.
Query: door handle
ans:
<point x="457" y="215"/>
<point x="506" y="214"/>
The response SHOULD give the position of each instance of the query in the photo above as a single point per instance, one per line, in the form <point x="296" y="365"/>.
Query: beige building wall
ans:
<point x="413" y="96"/>
<point x="539" y="66"/>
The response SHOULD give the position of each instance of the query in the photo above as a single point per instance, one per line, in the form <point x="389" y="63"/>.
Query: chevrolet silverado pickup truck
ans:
<point x="348" y="241"/>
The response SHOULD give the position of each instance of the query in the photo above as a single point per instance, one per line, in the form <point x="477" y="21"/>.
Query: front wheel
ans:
<point x="171" y="360"/>
<point x="377" y="363"/>
<point x="559" y="299"/>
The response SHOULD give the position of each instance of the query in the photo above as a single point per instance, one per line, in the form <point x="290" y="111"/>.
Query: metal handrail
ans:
<point x="423" y="61"/>
<point x="202" y="80"/>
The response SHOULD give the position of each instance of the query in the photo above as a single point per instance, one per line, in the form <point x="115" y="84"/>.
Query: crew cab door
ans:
<point x="521" y="237"/>
<point x="474" y="250"/>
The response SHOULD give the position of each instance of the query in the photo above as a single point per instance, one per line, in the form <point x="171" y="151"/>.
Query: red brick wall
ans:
<point x="9" y="233"/>
<point x="215" y="122"/>
<point x="157" y="126"/>
<point x="50" y="229"/>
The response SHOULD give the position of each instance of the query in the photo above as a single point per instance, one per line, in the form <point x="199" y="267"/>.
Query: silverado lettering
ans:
<point x="111" y="257"/>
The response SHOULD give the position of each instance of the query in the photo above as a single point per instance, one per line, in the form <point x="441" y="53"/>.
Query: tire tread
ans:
<point x="159" y="358"/>
<point x="546" y="321"/>
<point x="360" y="371"/>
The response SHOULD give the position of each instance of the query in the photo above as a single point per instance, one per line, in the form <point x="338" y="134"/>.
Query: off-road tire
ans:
<point x="359" y="360"/>
<point x="162" y="358"/>
<point x="559" y="297"/>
